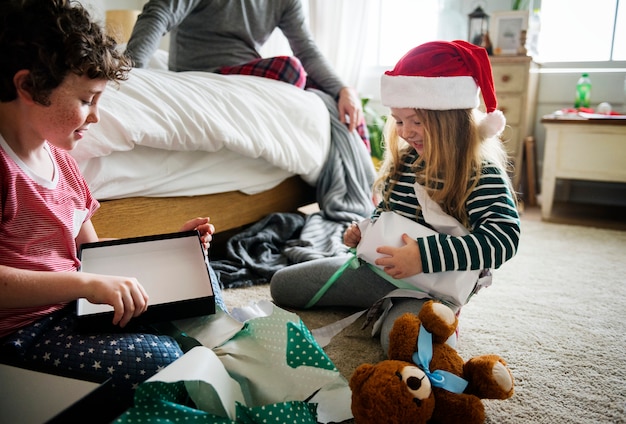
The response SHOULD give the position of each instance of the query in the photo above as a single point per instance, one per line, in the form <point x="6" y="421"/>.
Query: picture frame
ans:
<point x="506" y="31"/>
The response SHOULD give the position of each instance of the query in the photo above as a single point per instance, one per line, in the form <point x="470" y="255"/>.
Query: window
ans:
<point x="396" y="26"/>
<point x="582" y="31"/>
<point x="569" y="30"/>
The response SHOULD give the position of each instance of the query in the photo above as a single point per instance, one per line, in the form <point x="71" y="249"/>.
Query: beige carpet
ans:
<point x="555" y="312"/>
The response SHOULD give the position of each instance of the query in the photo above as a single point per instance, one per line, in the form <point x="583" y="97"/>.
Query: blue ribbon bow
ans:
<point x="439" y="378"/>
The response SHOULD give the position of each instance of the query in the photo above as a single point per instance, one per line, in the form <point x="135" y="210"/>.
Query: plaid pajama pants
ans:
<point x="287" y="69"/>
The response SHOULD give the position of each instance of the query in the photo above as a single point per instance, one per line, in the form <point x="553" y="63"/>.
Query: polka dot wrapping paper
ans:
<point x="274" y="371"/>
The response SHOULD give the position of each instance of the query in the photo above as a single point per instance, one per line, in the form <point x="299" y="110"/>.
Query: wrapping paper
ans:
<point x="453" y="287"/>
<point x="260" y="361"/>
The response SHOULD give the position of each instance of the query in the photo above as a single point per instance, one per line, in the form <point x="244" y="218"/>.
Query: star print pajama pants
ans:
<point x="53" y="345"/>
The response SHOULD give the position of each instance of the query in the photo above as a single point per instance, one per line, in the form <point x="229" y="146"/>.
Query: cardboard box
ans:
<point x="28" y="396"/>
<point x="171" y="267"/>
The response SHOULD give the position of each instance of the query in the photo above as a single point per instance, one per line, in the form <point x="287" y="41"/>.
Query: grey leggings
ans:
<point x="295" y="285"/>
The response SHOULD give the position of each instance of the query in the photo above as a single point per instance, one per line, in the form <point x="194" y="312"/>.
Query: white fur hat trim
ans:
<point x="433" y="93"/>
<point x="492" y="124"/>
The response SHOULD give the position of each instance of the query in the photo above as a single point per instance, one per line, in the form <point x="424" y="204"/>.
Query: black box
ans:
<point x="28" y="396"/>
<point x="171" y="267"/>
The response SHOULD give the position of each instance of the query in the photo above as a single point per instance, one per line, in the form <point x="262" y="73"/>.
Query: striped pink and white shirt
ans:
<point x="39" y="221"/>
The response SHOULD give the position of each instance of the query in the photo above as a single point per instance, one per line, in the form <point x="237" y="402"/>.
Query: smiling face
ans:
<point x="409" y="127"/>
<point x="72" y="108"/>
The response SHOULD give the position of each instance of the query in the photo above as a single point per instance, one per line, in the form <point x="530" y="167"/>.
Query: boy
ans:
<point x="56" y="65"/>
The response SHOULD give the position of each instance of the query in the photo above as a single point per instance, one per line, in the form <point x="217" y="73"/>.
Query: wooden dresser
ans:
<point x="515" y="80"/>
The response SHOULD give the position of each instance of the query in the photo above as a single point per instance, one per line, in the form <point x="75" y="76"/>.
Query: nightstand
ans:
<point x="581" y="149"/>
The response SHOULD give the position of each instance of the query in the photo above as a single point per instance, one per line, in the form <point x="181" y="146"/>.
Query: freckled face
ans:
<point x="409" y="127"/>
<point x="73" y="107"/>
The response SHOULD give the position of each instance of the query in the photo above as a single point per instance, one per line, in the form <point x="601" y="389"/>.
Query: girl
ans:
<point x="436" y="137"/>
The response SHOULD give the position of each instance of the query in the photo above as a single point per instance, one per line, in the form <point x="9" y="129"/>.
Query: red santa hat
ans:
<point x="444" y="75"/>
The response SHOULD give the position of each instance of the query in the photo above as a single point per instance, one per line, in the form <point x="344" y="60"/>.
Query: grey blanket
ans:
<point x="343" y="195"/>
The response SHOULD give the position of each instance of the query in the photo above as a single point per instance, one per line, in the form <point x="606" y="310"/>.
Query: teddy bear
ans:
<point x="424" y="379"/>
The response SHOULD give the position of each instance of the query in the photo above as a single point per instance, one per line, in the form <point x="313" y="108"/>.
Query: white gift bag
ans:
<point x="455" y="287"/>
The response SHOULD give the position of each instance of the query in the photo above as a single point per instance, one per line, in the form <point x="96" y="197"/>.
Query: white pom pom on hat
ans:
<point x="444" y="75"/>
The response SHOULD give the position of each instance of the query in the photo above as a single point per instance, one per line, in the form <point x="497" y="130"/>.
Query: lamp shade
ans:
<point x="120" y="23"/>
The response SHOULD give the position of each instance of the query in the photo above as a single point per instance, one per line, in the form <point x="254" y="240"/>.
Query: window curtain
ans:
<point x="340" y="28"/>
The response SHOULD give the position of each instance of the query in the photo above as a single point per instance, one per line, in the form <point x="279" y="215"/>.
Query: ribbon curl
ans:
<point x="438" y="378"/>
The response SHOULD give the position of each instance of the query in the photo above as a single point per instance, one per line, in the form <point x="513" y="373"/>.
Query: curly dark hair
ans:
<point x="52" y="38"/>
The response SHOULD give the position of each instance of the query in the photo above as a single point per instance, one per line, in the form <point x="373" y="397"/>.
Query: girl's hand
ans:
<point x="203" y="226"/>
<point x="352" y="235"/>
<point x="127" y="297"/>
<point x="401" y="262"/>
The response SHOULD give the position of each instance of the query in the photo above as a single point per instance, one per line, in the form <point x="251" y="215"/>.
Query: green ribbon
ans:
<point x="355" y="262"/>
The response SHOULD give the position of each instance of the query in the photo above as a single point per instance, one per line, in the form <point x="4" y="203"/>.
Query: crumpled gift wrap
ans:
<point x="275" y="358"/>
<point x="276" y="352"/>
<point x="265" y="361"/>
<point x="168" y="402"/>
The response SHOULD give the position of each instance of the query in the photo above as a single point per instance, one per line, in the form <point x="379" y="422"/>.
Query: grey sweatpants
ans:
<point x="295" y="285"/>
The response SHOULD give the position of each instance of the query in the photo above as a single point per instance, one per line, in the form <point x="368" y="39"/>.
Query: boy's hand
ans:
<point x="203" y="226"/>
<point x="127" y="297"/>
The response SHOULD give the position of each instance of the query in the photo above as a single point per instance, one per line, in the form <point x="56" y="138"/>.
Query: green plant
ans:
<point x="520" y="4"/>
<point x="375" y="124"/>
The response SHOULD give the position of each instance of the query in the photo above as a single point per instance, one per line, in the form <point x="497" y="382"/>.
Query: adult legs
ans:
<point x="288" y="69"/>
<point x="282" y="68"/>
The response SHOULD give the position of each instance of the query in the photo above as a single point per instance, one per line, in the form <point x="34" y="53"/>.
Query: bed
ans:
<point x="171" y="146"/>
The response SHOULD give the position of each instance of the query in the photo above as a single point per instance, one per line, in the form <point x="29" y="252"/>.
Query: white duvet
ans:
<point x="203" y="112"/>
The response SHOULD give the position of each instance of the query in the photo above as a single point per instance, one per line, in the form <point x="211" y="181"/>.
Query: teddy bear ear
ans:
<point x="360" y="375"/>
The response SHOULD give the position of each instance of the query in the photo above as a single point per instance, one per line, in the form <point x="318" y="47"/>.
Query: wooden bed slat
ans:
<point x="141" y="216"/>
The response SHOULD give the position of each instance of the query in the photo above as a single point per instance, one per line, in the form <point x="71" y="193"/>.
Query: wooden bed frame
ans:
<point x="142" y="216"/>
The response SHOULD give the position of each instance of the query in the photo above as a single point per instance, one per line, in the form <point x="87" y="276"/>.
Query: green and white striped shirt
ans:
<point x="493" y="219"/>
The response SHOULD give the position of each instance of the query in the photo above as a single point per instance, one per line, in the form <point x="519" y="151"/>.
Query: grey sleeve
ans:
<point x="295" y="29"/>
<point x="157" y="18"/>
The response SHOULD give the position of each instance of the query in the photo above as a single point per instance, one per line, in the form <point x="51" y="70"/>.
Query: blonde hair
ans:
<point x="454" y="156"/>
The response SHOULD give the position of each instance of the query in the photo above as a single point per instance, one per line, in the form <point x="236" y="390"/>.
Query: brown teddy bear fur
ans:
<point x="409" y="403"/>
<point x="377" y="397"/>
